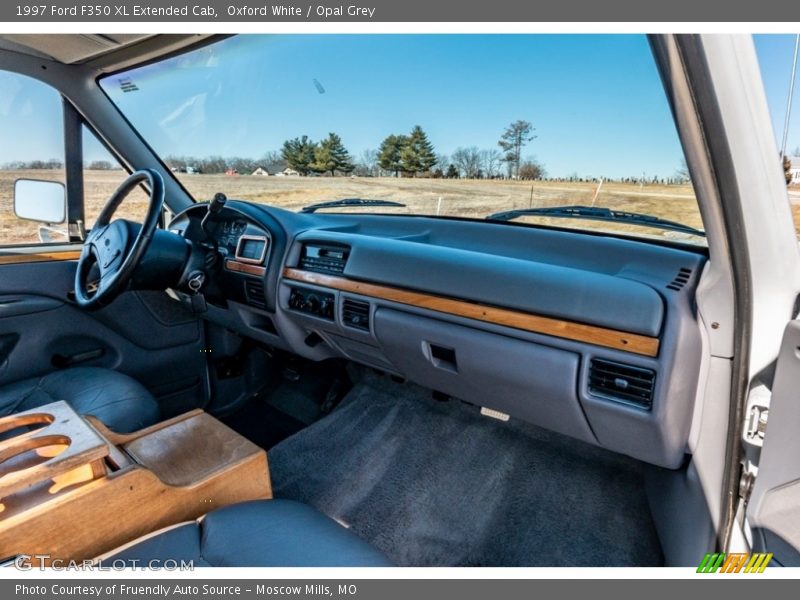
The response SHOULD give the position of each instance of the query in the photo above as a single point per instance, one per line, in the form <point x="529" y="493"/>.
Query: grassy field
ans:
<point x="466" y="198"/>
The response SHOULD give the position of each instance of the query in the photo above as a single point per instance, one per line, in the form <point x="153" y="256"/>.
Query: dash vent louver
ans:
<point x="355" y="314"/>
<point x="254" y="292"/>
<point x="681" y="279"/>
<point x="626" y="383"/>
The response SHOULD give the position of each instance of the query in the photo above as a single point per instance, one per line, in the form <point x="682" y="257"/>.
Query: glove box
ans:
<point x="526" y="380"/>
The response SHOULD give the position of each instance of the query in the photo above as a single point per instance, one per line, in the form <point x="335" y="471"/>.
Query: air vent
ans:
<point x="622" y="382"/>
<point x="254" y="292"/>
<point x="355" y="314"/>
<point x="681" y="279"/>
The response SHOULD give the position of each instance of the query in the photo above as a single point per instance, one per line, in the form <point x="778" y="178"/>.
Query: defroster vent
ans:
<point x="681" y="279"/>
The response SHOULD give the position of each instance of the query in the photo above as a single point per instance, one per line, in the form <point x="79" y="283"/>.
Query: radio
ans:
<point x="324" y="258"/>
<point x="312" y="302"/>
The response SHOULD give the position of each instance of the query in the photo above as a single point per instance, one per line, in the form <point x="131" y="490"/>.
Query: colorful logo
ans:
<point x="735" y="563"/>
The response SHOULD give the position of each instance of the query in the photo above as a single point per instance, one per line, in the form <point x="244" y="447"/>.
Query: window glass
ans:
<point x="450" y="125"/>
<point x="102" y="175"/>
<point x="776" y="57"/>
<point x="31" y="147"/>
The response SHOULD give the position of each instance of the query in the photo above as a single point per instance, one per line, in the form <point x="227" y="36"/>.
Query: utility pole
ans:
<point x="790" y="98"/>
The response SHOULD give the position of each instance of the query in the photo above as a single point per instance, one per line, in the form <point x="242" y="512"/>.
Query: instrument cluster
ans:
<point x="229" y="233"/>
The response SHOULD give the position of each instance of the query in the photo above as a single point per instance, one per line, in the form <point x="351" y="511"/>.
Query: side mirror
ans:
<point x="43" y="201"/>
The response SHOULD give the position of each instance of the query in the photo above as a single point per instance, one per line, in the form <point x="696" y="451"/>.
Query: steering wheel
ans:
<point x="108" y="245"/>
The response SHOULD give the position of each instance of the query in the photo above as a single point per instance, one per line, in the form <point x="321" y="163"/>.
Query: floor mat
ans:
<point x="300" y="393"/>
<point x="437" y="484"/>
<point x="263" y="424"/>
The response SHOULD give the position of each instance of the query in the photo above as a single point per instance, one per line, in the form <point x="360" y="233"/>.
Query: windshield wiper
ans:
<point x="597" y="214"/>
<point x="348" y="202"/>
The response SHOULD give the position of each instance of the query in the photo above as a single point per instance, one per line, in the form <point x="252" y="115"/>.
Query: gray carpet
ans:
<point x="437" y="484"/>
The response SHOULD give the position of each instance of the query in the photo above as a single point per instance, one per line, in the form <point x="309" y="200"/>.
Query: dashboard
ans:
<point x="239" y="248"/>
<point x="591" y="336"/>
<point x="242" y="242"/>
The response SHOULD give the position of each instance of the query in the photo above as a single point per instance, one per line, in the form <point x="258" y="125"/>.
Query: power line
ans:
<point x="790" y="97"/>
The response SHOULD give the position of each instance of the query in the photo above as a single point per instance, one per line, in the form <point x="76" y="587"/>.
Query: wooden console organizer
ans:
<point x="72" y="489"/>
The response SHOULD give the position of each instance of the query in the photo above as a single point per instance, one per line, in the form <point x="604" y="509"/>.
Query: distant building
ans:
<point x="261" y="172"/>
<point x="794" y="170"/>
<point x="288" y="172"/>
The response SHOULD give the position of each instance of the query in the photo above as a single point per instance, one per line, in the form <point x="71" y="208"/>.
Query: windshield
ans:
<point x="447" y="125"/>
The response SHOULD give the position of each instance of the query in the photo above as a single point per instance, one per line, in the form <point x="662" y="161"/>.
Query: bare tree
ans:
<point x="367" y="164"/>
<point x="787" y="170"/>
<point x="273" y="162"/>
<point x="682" y="173"/>
<point x="468" y="162"/>
<point x="33" y="164"/>
<point x="530" y="168"/>
<point x="177" y="163"/>
<point x="490" y="162"/>
<point x="100" y="165"/>
<point x="242" y="165"/>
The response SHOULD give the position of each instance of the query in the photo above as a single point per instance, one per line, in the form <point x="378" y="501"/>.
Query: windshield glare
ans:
<point x="447" y="125"/>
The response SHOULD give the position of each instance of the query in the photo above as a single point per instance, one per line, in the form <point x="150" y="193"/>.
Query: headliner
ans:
<point x="101" y="52"/>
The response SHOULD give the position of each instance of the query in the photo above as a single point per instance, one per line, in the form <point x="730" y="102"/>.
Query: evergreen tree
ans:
<point x="452" y="172"/>
<point x="330" y="155"/>
<point x="299" y="154"/>
<point x="389" y="153"/>
<point x="417" y="154"/>
<point x="408" y="160"/>
<point x="512" y="141"/>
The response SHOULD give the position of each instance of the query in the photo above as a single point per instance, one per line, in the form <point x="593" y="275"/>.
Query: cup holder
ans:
<point x="31" y="452"/>
<point x="19" y="424"/>
<point x="51" y="443"/>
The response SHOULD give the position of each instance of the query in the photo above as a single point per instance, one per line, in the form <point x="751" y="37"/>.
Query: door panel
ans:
<point x="774" y="507"/>
<point x="37" y="255"/>
<point x="143" y="334"/>
<point x="17" y="305"/>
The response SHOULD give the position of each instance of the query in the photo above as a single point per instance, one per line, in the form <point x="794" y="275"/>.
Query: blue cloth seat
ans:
<point x="119" y="401"/>
<point x="260" y="533"/>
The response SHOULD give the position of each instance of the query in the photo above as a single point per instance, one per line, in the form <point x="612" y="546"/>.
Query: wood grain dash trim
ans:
<point x="240" y="267"/>
<point x="33" y="257"/>
<point x="569" y="330"/>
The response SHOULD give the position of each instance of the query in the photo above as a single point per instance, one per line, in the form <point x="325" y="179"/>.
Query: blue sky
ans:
<point x="775" y="58"/>
<point x="596" y="100"/>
